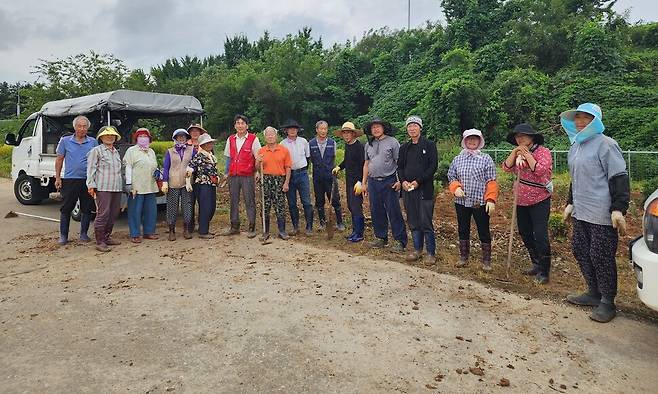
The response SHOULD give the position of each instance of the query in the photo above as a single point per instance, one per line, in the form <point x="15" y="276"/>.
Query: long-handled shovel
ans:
<point x="331" y="222"/>
<point x="265" y="239"/>
<point x="512" y="223"/>
<point x="13" y="214"/>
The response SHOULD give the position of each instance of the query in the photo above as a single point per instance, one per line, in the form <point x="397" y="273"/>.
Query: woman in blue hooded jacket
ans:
<point x="597" y="202"/>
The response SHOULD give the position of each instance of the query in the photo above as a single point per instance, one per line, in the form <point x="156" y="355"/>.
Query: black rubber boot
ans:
<point x="281" y="224"/>
<point x="64" y="221"/>
<point x="535" y="263"/>
<point x="486" y="256"/>
<point x="605" y="312"/>
<point x="589" y="298"/>
<point x="544" y="270"/>
<point x="85" y="220"/>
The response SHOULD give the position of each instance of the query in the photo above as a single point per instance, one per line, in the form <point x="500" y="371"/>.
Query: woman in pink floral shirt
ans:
<point x="534" y="164"/>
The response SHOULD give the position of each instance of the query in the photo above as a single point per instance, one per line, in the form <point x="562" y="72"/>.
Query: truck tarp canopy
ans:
<point x="125" y="100"/>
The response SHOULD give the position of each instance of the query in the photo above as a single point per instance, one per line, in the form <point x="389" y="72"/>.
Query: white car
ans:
<point x="644" y="254"/>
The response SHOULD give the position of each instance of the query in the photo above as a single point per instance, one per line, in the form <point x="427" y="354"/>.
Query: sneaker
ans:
<point x="413" y="256"/>
<point x="541" y="279"/>
<point x="486" y="267"/>
<point x="62" y="241"/>
<point x="430" y="259"/>
<point x="84" y="238"/>
<point x="206" y="236"/>
<point x="534" y="271"/>
<point x="585" y="299"/>
<point x="604" y="312"/>
<point x="309" y="232"/>
<point x="103" y="248"/>
<point x="322" y="225"/>
<point x="264" y="237"/>
<point x="378" y="243"/>
<point x="462" y="263"/>
<point x="284" y="236"/>
<point x="251" y="234"/>
<point x="340" y="227"/>
<point x="295" y="231"/>
<point x="399" y="247"/>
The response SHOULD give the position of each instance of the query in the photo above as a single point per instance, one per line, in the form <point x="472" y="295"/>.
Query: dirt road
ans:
<point x="233" y="316"/>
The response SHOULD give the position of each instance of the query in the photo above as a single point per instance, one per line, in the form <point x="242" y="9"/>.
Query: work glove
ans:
<point x="521" y="162"/>
<point x="490" y="207"/>
<point x="568" y="210"/>
<point x="188" y="184"/>
<point x="358" y="188"/>
<point x="336" y="170"/>
<point x="165" y="187"/>
<point x="618" y="222"/>
<point x="459" y="192"/>
<point x="128" y="188"/>
<point x="92" y="192"/>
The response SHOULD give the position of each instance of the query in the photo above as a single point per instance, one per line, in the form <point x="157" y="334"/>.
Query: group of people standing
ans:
<point x="381" y="169"/>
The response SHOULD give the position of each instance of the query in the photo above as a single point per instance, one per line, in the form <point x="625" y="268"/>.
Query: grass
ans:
<point x="5" y="160"/>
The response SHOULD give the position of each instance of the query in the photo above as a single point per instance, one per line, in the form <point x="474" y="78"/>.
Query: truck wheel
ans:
<point x="28" y="190"/>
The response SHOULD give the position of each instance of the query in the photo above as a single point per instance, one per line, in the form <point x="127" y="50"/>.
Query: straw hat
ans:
<point x="348" y="126"/>
<point x="108" y="130"/>
<point x="197" y="126"/>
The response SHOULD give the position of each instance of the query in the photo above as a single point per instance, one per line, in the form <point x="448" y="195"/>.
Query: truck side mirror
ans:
<point x="10" y="139"/>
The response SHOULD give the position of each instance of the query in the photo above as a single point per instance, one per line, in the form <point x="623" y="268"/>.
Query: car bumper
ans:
<point x="645" y="264"/>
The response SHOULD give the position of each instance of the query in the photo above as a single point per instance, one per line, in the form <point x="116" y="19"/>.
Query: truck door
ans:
<point x="25" y="156"/>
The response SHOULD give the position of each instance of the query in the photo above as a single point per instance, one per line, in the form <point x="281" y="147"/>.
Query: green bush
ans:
<point x="5" y="160"/>
<point x="649" y="186"/>
<point x="557" y="227"/>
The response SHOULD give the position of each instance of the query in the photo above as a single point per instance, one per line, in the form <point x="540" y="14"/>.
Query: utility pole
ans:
<point x="408" y="14"/>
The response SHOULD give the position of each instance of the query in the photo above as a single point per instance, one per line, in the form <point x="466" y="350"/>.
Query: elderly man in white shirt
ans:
<point x="299" y="183"/>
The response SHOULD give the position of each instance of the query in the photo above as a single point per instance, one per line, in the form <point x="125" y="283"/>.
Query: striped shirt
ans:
<point x="473" y="171"/>
<point x="104" y="169"/>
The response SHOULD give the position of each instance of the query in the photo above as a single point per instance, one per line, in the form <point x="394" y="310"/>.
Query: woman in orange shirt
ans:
<point x="276" y="164"/>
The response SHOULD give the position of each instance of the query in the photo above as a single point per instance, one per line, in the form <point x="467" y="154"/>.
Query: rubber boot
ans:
<point x="589" y="298"/>
<point x="308" y="215"/>
<point x="359" y="226"/>
<point x="605" y="312"/>
<point x="281" y="225"/>
<point x="340" y="226"/>
<point x="486" y="256"/>
<point x="349" y="237"/>
<point x="187" y="233"/>
<point x="535" y="263"/>
<point x="464" y="252"/>
<point x="252" y="230"/>
<point x="85" y="221"/>
<point x="64" y="221"/>
<point x="544" y="269"/>
<point x="172" y="232"/>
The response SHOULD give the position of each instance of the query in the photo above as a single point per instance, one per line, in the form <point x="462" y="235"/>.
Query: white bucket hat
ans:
<point x="469" y="133"/>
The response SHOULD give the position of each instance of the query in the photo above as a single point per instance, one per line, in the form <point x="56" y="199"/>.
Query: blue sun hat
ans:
<point x="567" y="119"/>
<point x="178" y="132"/>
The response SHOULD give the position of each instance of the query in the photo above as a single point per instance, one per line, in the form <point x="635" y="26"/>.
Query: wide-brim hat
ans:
<point x="196" y="126"/>
<point x="527" y="129"/>
<point x="471" y="132"/>
<point x="388" y="129"/>
<point x="108" y="130"/>
<point x="291" y="124"/>
<point x="205" y="138"/>
<point x="588" y="108"/>
<point x="178" y="132"/>
<point x="348" y="126"/>
<point x="142" y="131"/>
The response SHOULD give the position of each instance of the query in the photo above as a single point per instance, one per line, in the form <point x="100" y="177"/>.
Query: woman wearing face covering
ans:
<point x="597" y="202"/>
<point x="174" y="168"/>
<point x="141" y="164"/>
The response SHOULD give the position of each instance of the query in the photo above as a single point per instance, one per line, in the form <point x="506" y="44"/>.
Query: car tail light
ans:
<point x="651" y="226"/>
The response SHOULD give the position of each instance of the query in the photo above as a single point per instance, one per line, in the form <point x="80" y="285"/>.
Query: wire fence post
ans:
<point x="629" y="167"/>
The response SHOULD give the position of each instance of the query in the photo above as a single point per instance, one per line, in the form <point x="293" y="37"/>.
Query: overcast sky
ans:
<point x="144" y="33"/>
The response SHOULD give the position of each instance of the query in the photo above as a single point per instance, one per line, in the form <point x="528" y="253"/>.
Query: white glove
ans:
<point x="618" y="222"/>
<point x="165" y="187"/>
<point x="459" y="192"/>
<point x="358" y="188"/>
<point x="188" y="184"/>
<point x="568" y="210"/>
<point x="490" y="207"/>
<point x="520" y="162"/>
<point x="336" y="170"/>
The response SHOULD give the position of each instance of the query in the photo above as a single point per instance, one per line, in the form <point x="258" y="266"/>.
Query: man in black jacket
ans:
<point x="416" y="167"/>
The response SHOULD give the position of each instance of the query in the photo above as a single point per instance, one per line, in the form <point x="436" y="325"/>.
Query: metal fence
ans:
<point x="642" y="165"/>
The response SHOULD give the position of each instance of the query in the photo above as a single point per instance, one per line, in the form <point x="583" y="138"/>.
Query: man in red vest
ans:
<point x="240" y="151"/>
